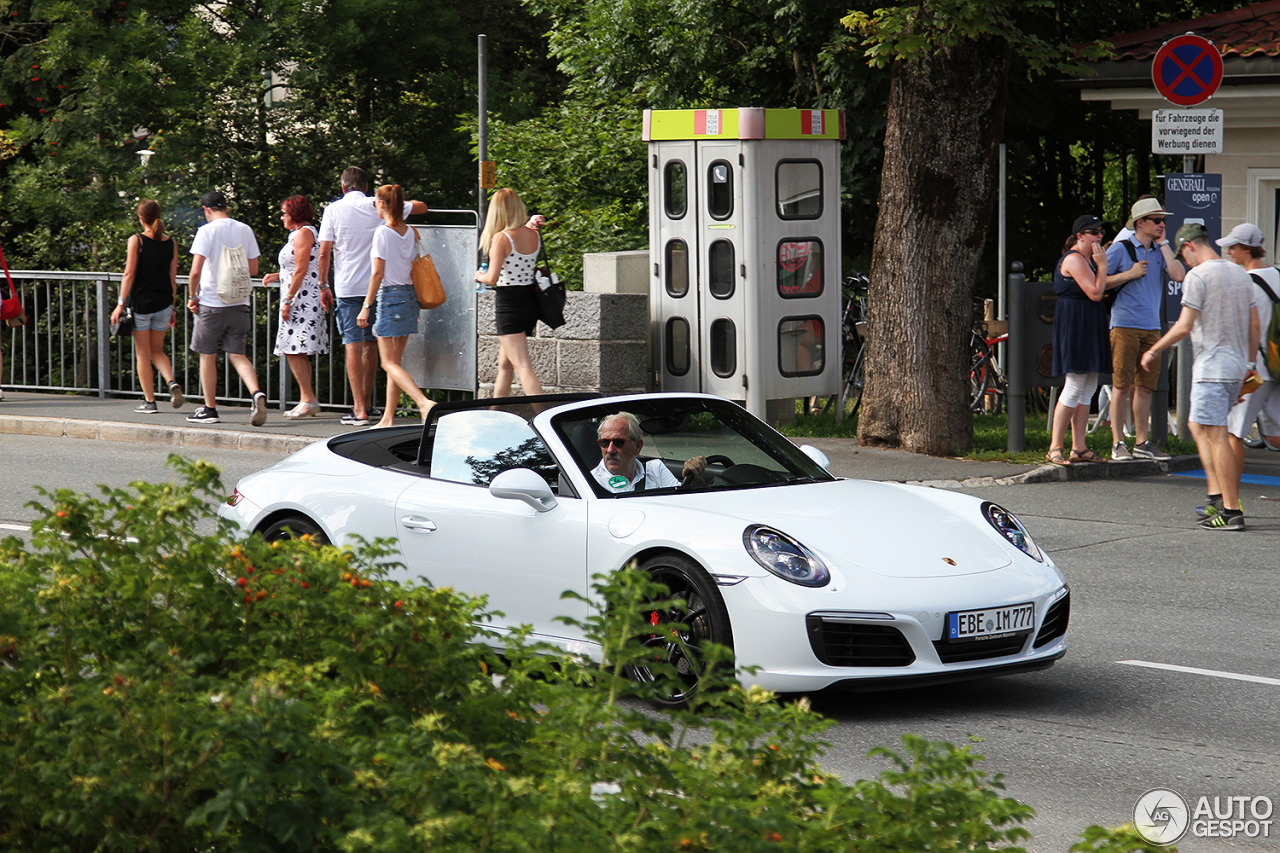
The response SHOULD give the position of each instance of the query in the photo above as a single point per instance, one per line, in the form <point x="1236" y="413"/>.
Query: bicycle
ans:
<point x="853" y="343"/>
<point x="986" y="377"/>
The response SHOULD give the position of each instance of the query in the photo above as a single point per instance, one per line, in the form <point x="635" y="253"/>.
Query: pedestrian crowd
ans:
<point x="1108" y="318"/>
<point x="363" y="247"/>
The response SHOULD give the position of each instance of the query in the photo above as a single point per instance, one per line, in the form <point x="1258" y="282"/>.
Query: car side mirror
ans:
<point x="522" y="484"/>
<point x="816" y="455"/>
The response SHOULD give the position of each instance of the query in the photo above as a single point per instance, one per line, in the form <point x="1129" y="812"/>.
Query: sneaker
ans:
<point x="1211" y="508"/>
<point x="204" y="415"/>
<point x="1120" y="453"/>
<point x="1147" y="450"/>
<point x="1225" y="520"/>
<point x="350" y="419"/>
<point x="145" y="408"/>
<point x="175" y="395"/>
<point x="258" y="411"/>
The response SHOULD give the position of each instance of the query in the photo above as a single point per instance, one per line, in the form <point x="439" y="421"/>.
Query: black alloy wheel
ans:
<point x="706" y="620"/>
<point x="294" y="527"/>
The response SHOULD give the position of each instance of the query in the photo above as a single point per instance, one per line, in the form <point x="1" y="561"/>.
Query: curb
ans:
<point x="1067" y="473"/>
<point x="172" y="436"/>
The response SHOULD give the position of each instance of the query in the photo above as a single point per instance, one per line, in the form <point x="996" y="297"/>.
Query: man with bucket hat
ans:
<point x="1135" y="322"/>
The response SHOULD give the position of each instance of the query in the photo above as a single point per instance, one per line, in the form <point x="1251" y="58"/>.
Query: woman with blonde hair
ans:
<point x="150" y="286"/>
<point x="391" y="285"/>
<point x="512" y="245"/>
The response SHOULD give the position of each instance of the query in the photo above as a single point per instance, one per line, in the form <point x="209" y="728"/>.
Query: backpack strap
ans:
<point x="1133" y="250"/>
<point x="1262" y="282"/>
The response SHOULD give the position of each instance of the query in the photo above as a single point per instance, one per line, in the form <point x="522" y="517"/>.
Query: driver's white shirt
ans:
<point x="655" y="473"/>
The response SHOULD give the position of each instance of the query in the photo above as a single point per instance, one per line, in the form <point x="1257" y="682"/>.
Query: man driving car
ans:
<point x="619" y="437"/>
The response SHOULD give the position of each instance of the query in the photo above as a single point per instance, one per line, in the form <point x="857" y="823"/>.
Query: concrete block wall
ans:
<point x="603" y="346"/>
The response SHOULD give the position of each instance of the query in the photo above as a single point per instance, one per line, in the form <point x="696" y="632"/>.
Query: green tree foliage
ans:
<point x="583" y="161"/>
<point x="259" y="98"/>
<point x="163" y="690"/>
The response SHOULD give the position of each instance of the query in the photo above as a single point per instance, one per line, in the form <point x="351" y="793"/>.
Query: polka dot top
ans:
<point x="517" y="268"/>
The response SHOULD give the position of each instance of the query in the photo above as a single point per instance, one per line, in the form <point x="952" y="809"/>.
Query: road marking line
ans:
<point x="1259" y="679"/>
<point x="1252" y="479"/>
<point x="21" y="528"/>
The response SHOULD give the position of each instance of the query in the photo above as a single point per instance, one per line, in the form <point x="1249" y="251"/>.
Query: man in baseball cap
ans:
<point x="1217" y="312"/>
<point x="1139" y="262"/>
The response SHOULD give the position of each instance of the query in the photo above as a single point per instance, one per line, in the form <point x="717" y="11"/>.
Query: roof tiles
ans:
<point x="1253" y="30"/>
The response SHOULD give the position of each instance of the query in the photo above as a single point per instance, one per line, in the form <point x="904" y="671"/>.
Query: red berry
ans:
<point x="243" y="582"/>
<point x="306" y="585"/>
<point x="355" y="582"/>
<point x="398" y="604"/>
<point x="62" y="513"/>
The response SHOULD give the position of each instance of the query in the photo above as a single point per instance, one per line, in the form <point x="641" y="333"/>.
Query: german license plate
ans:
<point x="991" y="623"/>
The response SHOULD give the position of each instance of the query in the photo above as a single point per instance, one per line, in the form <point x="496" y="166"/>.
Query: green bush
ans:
<point x="164" y="690"/>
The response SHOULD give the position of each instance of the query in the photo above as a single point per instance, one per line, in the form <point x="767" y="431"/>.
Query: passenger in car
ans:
<point x="621" y="439"/>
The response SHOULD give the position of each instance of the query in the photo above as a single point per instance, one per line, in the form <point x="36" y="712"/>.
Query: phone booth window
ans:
<point x="799" y="265"/>
<point x="724" y="348"/>
<point x="801" y="346"/>
<point x="720" y="189"/>
<point x="798" y="186"/>
<point x="677" y="346"/>
<point x="675" y="189"/>
<point x="720" y="265"/>
<point x="677" y="268"/>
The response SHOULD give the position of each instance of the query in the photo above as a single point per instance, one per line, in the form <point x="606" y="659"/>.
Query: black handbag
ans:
<point x="123" y="326"/>
<point x="551" y="295"/>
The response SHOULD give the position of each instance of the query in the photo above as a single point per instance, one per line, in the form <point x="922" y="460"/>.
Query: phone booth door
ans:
<point x="721" y="266"/>
<point x="674" y="218"/>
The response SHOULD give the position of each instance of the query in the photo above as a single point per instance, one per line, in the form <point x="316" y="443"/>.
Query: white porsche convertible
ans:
<point x="817" y="581"/>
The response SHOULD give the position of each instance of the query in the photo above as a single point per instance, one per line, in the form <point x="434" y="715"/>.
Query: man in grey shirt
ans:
<point x="1218" y="314"/>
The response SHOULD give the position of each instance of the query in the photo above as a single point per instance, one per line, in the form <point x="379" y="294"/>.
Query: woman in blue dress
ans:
<point x="1081" y="340"/>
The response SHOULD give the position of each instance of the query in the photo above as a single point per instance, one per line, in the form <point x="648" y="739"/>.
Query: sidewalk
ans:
<point x="113" y="419"/>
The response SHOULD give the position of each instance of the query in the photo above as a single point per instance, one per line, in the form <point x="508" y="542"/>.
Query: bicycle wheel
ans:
<point x="856" y="382"/>
<point x="979" y="371"/>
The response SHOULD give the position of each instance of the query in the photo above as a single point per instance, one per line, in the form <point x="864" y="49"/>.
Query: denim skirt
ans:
<point x="397" y="311"/>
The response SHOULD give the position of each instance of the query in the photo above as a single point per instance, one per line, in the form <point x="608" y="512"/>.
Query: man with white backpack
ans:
<point x="224" y="260"/>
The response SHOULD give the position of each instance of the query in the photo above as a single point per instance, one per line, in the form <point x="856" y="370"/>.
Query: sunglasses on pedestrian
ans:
<point x="606" y="443"/>
<point x="1159" y="220"/>
<point x="1097" y="232"/>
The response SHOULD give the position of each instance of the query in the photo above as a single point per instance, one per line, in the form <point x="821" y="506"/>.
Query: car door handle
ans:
<point x="413" y="522"/>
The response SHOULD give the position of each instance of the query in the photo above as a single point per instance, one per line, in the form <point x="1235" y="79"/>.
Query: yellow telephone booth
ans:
<point x="744" y="235"/>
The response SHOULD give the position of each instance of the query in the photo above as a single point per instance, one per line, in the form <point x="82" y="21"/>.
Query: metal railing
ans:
<point x="66" y="345"/>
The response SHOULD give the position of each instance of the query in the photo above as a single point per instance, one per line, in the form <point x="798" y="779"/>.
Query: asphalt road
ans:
<point x="1082" y="741"/>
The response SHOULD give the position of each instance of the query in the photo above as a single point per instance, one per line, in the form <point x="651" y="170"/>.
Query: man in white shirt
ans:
<point x="621" y="439"/>
<point x="346" y="236"/>
<point x="218" y="323"/>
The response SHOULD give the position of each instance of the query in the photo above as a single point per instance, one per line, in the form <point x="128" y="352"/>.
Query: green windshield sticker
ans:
<point x="617" y="481"/>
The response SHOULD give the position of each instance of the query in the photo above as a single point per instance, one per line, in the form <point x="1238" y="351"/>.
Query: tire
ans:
<point x="707" y="620"/>
<point x="979" y="371"/>
<point x="857" y="382"/>
<point x="294" y="527"/>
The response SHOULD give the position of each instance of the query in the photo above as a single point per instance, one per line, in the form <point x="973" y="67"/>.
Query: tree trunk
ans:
<point x="946" y="118"/>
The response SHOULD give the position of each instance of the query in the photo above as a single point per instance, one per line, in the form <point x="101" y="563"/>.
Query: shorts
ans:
<point x="1127" y="347"/>
<point x="1211" y="401"/>
<point x="516" y="308"/>
<point x="156" y="320"/>
<point x="397" y="311"/>
<point x="1265" y="402"/>
<point x="349" y="308"/>
<point x="225" y="327"/>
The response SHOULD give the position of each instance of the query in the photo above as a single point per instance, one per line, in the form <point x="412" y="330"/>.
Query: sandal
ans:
<point x="1055" y="456"/>
<point x="1085" y="455"/>
<point x="303" y="410"/>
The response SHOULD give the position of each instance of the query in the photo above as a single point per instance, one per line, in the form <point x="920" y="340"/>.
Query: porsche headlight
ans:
<point x="785" y="557"/>
<point x="1010" y="528"/>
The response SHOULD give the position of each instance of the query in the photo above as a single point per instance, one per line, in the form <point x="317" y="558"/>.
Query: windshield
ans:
<point x="739" y="450"/>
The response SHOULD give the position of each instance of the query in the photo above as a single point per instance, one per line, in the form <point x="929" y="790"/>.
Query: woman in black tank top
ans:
<point x="149" y="287"/>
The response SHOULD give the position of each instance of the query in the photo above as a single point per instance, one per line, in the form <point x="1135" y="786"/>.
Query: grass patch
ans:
<point x="990" y="437"/>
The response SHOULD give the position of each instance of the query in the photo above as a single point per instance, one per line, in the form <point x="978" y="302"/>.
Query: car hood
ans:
<point x="888" y="529"/>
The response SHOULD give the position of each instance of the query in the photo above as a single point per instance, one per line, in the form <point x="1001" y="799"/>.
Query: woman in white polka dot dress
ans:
<point x="304" y="329"/>
<point x="512" y="246"/>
